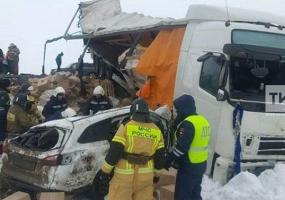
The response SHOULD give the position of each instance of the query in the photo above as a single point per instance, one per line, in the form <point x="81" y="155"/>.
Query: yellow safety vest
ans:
<point x="198" y="151"/>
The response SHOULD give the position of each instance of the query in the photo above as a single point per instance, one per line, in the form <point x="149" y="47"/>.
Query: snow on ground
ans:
<point x="269" y="185"/>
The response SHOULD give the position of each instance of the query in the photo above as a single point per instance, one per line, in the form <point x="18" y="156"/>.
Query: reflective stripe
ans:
<point x="161" y="145"/>
<point x="107" y="167"/>
<point x="100" y="103"/>
<point x="179" y="152"/>
<point x="198" y="149"/>
<point x="119" y="139"/>
<point x="176" y="154"/>
<point x="132" y="171"/>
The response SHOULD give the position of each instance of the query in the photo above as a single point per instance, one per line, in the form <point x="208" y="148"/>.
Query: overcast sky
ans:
<point x="29" y="23"/>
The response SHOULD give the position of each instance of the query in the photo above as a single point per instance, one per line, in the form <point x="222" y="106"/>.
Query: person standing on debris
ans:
<point x="56" y="105"/>
<point x="136" y="154"/>
<point x="4" y="106"/>
<point x="3" y="65"/>
<point x="19" y="117"/>
<point x="58" y="60"/>
<point x="12" y="58"/>
<point x="190" y="153"/>
<point x="98" y="101"/>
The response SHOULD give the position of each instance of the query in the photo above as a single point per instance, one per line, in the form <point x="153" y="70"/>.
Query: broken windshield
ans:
<point x="249" y="77"/>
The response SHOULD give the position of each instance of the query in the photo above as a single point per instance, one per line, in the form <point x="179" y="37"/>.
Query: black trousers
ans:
<point x="188" y="181"/>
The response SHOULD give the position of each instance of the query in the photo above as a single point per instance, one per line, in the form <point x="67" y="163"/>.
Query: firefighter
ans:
<point x="4" y="106"/>
<point x="19" y="117"/>
<point x="56" y="105"/>
<point x="25" y="89"/>
<point x="98" y="101"/>
<point x="136" y="155"/>
<point x="190" y="153"/>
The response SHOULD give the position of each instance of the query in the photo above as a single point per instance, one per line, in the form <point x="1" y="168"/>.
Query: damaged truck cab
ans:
<point x="223" y="64"/>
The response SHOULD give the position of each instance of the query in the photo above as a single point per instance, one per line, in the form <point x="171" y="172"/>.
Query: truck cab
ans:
<point x="225" y="63"/>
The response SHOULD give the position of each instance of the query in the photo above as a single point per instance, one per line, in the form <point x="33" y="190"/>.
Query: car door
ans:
<point x="89" y="151"/>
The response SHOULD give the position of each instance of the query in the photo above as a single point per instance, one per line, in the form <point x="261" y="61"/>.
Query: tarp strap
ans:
<point x="237" y="119"/>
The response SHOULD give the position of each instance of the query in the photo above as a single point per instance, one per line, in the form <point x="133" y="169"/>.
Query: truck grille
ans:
<point x="22" y="161"/>
<point x="271" y="146"/>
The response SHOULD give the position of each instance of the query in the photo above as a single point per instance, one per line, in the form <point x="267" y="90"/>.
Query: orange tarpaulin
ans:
<point x="159" y="63"/>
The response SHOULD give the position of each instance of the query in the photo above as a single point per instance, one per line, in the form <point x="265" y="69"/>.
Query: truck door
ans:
<point x="206" y="94"/>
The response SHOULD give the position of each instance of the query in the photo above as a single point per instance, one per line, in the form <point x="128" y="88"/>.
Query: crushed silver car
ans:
<point x="65" y="155"/>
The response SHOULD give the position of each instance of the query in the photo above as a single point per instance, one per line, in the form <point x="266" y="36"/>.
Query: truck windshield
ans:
<point x="252" y="67"/>
<point x="257" y="38"/>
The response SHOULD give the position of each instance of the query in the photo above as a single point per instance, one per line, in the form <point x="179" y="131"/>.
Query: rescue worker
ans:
<point x="56" y="105"/>
<point x="58" y="60"/>
<point x="25" y="89"/>
<point x="4" y="106"/>
<point x="98" y="101"/>
<point x="136" y="155"/>
<point x="19" y="117"/>
<point x="191" y="149"/>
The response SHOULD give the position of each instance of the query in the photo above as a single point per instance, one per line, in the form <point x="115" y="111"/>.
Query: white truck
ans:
<point x="228" y="56"/>
<point x="224" y="62"/>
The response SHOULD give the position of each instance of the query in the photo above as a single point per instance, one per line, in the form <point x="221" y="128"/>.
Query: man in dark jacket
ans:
<point x="98" y="101"/>
<point x="4" y="106"/>
<point x="191" y="149"/>
<point x="58" y="60"/>
<point x="56" y="105"/>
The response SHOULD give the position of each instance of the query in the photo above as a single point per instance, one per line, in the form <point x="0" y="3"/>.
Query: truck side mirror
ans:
<point x="205" y="57"/>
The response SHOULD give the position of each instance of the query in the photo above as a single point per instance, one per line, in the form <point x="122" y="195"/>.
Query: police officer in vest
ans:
<point x="190" y="152"/>
<point x="136" y="155"/>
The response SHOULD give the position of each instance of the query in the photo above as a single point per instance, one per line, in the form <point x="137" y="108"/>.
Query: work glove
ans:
<point x="102" y="180"/>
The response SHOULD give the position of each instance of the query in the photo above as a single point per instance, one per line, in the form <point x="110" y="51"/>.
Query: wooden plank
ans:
<point x="51" y="196"/>
<point x="18" y="196"/>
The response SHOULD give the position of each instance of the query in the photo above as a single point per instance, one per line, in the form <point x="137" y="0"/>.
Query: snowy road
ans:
<point x="270" y="185"/>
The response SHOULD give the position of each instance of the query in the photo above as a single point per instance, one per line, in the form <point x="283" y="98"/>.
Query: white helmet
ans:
<point x="59" y="90"/>
<point x="98" y="90"/>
